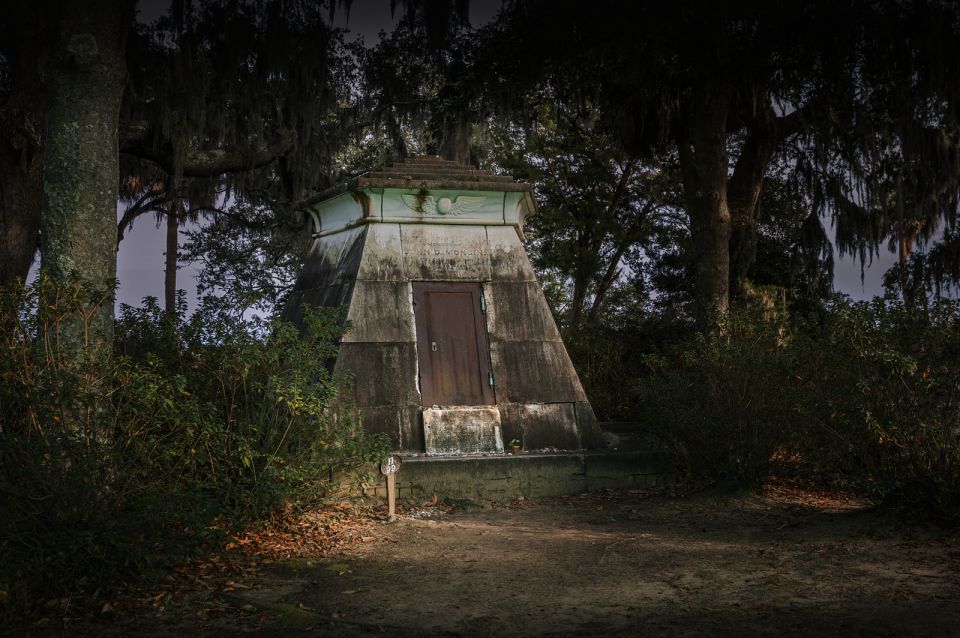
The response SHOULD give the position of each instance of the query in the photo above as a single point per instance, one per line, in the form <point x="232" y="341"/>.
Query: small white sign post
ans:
<point x="390" y="467"/>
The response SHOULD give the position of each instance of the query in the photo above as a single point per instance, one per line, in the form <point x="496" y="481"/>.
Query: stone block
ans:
<point x="411" y="429"/>
<point x="383" y="373"/>
<point x="445" y="253"/>
<point x="508" y="259"/>
<point x="383" y="419"/>
<point x="333" y="296"/>
<point x="591" y="436"/>
<point x="549" y="425"/>
<point x="518" y="311"/>
<point x="339" y="211"/>
<point x="479" y="206"/>
<point x="510" y="422"/>
<point x="462" y="430"/>
<point x="332" y="259"/>
<point x="381" y="311"/>
<point x="534" y="372"/>
<point x="382" y="254"/>
<point x="627" y="469"/>
<point x="400" y="423"/>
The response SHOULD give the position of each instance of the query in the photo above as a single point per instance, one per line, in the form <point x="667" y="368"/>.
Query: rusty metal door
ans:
<point x="452" y="344"/>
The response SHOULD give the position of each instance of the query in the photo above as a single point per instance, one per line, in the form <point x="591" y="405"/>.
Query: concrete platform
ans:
<point x="505" y="477"/>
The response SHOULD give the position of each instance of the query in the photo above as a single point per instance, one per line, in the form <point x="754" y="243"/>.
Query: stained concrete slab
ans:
<point x="499" y="478"/>
<point x="383" y="373"/>
<point x="445" y="253"/>
<point x="534" y="372"/>
<point x="508" y="302"/>
<point x="381" y="311"/>
<point x="382" y="254"/>
<point x="552" y="425"/>
<point x="462" y="430"/>
<point x="508" y="259"/>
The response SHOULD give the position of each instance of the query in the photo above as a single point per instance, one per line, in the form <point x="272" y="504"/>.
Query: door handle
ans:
<point x="433" y="346"/>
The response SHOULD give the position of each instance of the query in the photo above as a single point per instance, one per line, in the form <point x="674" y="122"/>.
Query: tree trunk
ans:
<point x="83" y="86"/>
<point x="704" y="163"/>
<point x="580" y="284"/>
<point x="170" y="267"/>
<point x="744" y="190"/>
<point x="456" y="138"/>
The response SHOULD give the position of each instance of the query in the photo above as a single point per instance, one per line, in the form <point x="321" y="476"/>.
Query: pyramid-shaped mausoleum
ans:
<point x="452" y="346"/>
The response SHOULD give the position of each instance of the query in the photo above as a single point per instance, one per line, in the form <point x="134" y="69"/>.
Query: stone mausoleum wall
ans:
<point x="369" y="248"/>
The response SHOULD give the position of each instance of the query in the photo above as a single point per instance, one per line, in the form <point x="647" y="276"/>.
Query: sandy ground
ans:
<point x="784" y="563"/>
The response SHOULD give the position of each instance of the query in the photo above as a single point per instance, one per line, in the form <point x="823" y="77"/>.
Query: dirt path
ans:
<point x="616" y="565"/>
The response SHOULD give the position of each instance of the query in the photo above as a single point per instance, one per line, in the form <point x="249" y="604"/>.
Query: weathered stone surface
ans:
<point x="549" y="425"/>
<point x="382" y="254"/>
<point x="445" y="253"/>
<point x="383" y="373"/>
<point x="483" y="207"/>
<point x="499" y="478"/>
<point x="510" y="422"/>
<point x="411" y="429"/>
<point x="508" y="259"/>
<point x="381" y="311"/>
<point x="332" y="296"/>
<point x="401" y="423"/>
<point x="383" y="419"/>
<point x="534" y="372"/>
<point x="517" y="207"/>
<point x="339" y="211"/>
<point x="332" y="259"/>
<point x="591" y="436"/>
<point x="462" y="430"/>
<point x="453" y="236"/>
<point x="518" y="312"/>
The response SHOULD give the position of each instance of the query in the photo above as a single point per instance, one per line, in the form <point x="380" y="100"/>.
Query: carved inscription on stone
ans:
<point x="447" y="254"/>
<point x="457" y="253"/>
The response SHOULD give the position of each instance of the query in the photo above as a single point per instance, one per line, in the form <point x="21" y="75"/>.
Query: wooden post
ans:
<point x="390" y="467"/>
<point x="392" y="496"/>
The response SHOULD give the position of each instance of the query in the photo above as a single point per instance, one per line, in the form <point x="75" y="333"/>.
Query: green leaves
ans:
<point x="106" y="456"/>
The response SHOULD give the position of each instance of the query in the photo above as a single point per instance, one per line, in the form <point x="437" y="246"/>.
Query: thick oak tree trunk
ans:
<point x="704" y="164"/>
<point x="83" y="86"/>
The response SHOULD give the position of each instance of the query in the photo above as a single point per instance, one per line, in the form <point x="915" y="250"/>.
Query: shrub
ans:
<point x="865" y="397"/>
<point x="114" y="462"/>
<point x="721" y="401"/>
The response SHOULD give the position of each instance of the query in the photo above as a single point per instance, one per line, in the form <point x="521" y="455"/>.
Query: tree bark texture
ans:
<point x="456" y="138"/>
<point x="83" y="86"/>
<point x="743" y="196"/>
<point x="704" y="163"/>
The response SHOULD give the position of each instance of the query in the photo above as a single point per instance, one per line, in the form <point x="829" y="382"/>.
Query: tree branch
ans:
<point x="206" y="163"/>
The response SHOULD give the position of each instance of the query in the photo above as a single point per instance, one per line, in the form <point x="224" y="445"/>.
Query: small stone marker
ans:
<point x="390" y="466"/>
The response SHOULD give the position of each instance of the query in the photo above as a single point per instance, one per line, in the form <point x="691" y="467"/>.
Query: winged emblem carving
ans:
<point x="430" y="205"/>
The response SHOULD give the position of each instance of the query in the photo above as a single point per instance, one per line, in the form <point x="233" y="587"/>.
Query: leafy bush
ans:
<point x="112" y="463"/>
<point x="864" y="397"/>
